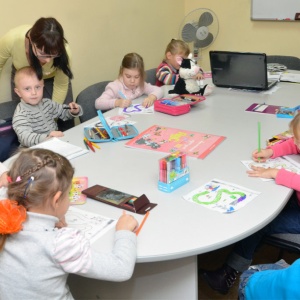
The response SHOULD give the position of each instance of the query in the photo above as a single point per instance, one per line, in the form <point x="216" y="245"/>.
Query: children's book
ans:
<point x="90" y="224"/>
<point x="283" y="162"/>
<point x="263" y="108"/>
<point x="221" y="196"/>
<point x="170" y="140"/>
<point x="78" y="185"/>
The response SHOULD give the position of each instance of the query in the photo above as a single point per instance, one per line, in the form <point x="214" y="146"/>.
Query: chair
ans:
<point x="291" y="62"/>
<point x="151" y="76"/>
<point x="87" y="97"/>
<point x="8" y="138"/>
<point x="284" y="241"/>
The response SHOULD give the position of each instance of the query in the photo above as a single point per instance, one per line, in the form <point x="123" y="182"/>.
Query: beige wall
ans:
<point x="100" y="32"/>
<point x="238" y="32"/>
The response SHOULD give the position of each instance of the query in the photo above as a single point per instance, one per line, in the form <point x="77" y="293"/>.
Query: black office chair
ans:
<point x="151" y="76"/>
<point x="285" y="242"/>
<point x="291" y="62"/>
<point x="87" y="97"/>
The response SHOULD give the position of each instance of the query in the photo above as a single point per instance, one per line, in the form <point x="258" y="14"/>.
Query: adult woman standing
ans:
<point x="44" y="47"/>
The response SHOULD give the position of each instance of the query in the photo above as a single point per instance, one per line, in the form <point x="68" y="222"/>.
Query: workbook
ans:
<point x="221" y="196"/>
<point x="169" y="140"/>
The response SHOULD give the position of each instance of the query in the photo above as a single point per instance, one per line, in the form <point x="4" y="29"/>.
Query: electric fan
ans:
<point x="199" y="28"/>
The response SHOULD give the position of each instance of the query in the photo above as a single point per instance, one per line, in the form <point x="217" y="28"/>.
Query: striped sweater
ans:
<point x="166" y="74"/>
<point x="36" y="261"/>
<point x="33" y="123"/>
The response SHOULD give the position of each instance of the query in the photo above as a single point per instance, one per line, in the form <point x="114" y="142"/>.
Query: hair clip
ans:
<point x="18" y="179"/>
<point x="9" y="179"/>
<point x="28" y="185"/>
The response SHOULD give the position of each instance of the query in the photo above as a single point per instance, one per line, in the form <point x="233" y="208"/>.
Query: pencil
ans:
<point x="143" y="222"/>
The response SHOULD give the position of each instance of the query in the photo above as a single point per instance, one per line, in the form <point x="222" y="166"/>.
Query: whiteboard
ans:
<point x="275" y="9"/>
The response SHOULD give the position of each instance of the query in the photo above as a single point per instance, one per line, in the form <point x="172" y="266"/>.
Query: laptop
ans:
<point x="241" y="70"/>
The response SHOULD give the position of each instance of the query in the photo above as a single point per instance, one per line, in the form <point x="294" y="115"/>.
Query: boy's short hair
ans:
<point x="27" y="71"/>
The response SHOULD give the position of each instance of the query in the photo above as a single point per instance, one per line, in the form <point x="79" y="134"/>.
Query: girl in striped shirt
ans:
<point x="36" y="256"/>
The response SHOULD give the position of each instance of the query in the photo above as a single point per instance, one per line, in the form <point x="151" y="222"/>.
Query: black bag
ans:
<point x="8" y="139"/>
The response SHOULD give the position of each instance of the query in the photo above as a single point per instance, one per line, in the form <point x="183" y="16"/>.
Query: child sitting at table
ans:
<point x="36" y="256"/>
<point x="130" y="85"/>
<point x="271" y="281"/>
<point x="288" y="220"/>
<point x="34" y="117"/>
<point x="167" y="71"/>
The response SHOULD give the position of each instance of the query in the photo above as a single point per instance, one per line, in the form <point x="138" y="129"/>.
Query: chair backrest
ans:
<point x="291" y="62"/>
<point x="151" y="76"/>
<point x="7" y="109"/>
<point x="87" y="98"/>
<point x="284" y="241"/>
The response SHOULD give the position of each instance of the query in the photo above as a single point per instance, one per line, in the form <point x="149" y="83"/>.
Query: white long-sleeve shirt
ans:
<point x="35" y="262"/>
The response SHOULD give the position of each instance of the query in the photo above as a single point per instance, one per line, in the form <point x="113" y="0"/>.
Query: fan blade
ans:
<point x="205" y="19"/>
<point x="188" y="32"/>
<point x="204" y="43"/>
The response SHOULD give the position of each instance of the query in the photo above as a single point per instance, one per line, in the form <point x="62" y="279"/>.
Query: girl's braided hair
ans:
<point x="37" y="175"/>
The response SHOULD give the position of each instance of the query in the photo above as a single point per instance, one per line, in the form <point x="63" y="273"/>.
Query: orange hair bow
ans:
<point x="12" y="216"/>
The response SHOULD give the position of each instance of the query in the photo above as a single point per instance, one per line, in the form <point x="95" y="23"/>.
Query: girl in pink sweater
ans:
<point x="130" y="85"/>
<point x="288" y="220"/>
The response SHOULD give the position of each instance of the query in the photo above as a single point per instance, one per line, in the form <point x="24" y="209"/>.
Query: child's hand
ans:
<point x="263" y="155"/>
<point x="262" y="172"/>
<point x="55" y="134"/>
<point x="199" y="76"/>
<point x="149" y="101"/>
<point x="3" y="180"/>
<point x="127" y="222"/>
<point x="74" y="108"/>
<point x="123" y="103"/>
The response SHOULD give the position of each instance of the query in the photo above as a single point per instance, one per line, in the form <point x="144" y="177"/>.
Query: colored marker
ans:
<point x="122" y="95"/>
<point x="142" y="223"/>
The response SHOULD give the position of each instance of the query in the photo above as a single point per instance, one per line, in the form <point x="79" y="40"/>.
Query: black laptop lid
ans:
<point x="242" y="70"/>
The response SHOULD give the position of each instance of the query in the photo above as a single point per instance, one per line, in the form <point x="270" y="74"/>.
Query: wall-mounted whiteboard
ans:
<point x="275" y="9"/>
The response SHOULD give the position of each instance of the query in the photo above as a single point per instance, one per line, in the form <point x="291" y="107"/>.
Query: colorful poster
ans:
<point x="170" y="140"/>
<point x="221" y="196"/>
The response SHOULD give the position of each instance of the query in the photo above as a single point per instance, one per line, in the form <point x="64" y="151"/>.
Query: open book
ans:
<point x="65" y="149"/>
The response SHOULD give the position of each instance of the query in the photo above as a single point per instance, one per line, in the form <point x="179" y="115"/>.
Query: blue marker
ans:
<point x="122" y="95"/>
<point x="177" y="164"/>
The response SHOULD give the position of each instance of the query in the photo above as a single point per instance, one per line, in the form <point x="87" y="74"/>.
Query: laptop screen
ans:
<point x="239" y="69"/>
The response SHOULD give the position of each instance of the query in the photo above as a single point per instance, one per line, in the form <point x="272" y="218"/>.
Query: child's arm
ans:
<point x="153" y="92"/>
<point x="22" y="126"/>
<point x="166" y="75"/>
<point x="110" y="98"/>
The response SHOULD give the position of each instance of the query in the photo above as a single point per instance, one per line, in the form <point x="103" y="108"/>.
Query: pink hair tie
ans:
<point x="9" y="179"/>
<point x="18" y="179"/>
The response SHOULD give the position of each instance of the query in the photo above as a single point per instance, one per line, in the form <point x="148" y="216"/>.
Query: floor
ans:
<point x="213" y="260"/>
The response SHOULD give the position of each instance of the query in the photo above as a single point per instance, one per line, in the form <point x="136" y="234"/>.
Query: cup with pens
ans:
<point x="173" y="172"/>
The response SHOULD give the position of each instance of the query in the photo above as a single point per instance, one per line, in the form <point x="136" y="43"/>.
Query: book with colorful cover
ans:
<point x="78" y="185"/>
<point x="170" y="140"/>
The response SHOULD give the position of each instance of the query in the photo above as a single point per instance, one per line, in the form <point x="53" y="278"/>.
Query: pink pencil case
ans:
<point x="177" y="105"/>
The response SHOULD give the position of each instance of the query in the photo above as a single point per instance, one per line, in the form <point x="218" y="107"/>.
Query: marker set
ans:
<point x="173" y="172"/>
<point x="103" y="133"/>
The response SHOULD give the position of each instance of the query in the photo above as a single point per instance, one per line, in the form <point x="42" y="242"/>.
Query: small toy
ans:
<point x="187" y="83"/>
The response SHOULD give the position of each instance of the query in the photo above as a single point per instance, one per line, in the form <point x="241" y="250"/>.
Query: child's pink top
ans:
<point x="284" y="177"/>
<point x="112" y="92"/>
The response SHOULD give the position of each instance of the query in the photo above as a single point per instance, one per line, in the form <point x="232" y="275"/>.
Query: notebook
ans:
<point x="241" y="70"/>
